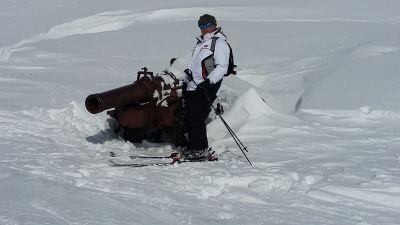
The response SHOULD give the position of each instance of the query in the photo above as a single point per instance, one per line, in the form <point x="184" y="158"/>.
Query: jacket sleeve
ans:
<point x="221" y="60"/>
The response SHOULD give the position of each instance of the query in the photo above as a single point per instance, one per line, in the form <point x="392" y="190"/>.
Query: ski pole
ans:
<point x="231" y="132"/>
<point x="234" y="136"/>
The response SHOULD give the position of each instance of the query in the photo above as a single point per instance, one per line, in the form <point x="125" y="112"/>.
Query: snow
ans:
<point x="315" y="101"/>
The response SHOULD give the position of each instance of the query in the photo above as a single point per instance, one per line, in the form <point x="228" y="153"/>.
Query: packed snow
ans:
<point x="315" y="101"/>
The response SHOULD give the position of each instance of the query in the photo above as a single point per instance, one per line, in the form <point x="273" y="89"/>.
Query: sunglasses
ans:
<point x="204" y="25"/>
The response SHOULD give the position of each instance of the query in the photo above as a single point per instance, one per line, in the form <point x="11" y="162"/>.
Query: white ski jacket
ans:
<point x="202" y="52"/>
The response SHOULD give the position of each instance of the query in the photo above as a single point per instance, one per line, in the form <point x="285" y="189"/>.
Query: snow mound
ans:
<point x="73" y="120"/>
<point x="248" y="106"/>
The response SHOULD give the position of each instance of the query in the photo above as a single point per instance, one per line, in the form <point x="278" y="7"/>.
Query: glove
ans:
<point x="204" y="86"/>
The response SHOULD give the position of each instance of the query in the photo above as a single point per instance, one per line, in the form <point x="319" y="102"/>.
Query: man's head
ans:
<point x="207" y="24"/>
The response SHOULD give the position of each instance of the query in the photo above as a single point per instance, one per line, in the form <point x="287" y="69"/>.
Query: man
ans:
<point x="209" y="64"/>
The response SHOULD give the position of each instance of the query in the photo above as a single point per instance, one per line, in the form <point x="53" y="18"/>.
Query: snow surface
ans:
<point x="324" y="144"/>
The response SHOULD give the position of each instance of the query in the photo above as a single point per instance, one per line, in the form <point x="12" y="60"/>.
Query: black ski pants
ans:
<point x="197" y="109"/>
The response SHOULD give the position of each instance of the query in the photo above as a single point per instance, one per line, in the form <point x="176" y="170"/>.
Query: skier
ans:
<point x="209" y="64"/>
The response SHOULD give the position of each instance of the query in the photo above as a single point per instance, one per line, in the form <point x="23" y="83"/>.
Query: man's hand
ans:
<point x="204" y="86"/>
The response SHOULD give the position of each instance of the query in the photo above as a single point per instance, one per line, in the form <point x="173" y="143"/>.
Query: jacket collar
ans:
<point x="217" y="33"/>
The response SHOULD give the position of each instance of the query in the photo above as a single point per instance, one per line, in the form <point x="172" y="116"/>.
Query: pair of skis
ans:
<point x="175" y="159"/>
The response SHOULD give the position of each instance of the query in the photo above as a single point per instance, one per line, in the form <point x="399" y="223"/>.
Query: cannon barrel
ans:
<point x="150" y="108"/>
<point x="140" y="91"/>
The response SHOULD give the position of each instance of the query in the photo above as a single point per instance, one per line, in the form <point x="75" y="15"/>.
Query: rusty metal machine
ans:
<point x="151" y="108"/>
